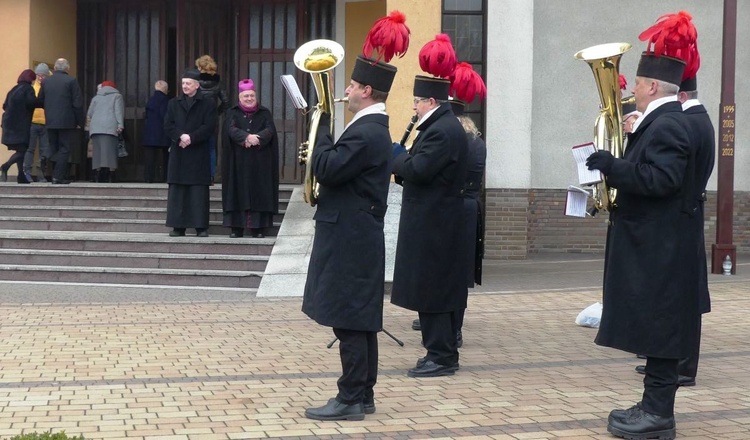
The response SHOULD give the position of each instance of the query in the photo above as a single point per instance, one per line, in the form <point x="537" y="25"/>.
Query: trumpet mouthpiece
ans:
<point x="344" y="99"/>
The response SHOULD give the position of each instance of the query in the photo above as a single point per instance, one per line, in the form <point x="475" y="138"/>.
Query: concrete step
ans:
<point x="111" y="189"/>
<point x="122" y="275"/>
<point x="134" y="242"/>
<point x="57" y="200"/>
<point x="105" y="225"/>
<point x="152" y="260"/>
<point x="100" y="212"/>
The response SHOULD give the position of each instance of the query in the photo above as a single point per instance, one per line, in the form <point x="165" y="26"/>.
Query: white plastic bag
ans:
<point x="590" y="316"/>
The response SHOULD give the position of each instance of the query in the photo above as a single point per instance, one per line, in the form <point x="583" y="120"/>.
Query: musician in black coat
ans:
<point x="190" y="121"/>
<point x="650" y="282"/>
<point x="345" y="280"/>
<point x="428" y="276"/>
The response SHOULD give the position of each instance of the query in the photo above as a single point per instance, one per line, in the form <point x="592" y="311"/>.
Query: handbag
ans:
<point x="121" y="150"/>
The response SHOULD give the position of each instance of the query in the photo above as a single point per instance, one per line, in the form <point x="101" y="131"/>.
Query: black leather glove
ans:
<point x="398" y="149"/>
<point x="600" y="160"/>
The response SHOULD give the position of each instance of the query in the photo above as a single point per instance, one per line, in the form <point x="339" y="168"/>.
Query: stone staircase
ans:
<point x="115" y="234"/>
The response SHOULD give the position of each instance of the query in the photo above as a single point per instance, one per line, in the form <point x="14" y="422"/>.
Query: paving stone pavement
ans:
<point x="136" y="363"/>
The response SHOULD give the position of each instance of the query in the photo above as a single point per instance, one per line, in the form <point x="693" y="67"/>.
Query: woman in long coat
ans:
<point x="250" y="165"/>
<point x="106" y="118"/>
<point x="19" y="108"/>
<point x="154" y="138"/>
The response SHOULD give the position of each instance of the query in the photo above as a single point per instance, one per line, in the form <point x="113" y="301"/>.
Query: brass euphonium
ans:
<point x="318" y="58"/>
<point x="604" y="61"/>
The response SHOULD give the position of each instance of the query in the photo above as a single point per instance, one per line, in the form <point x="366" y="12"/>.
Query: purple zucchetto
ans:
<point x="246" y="84"/>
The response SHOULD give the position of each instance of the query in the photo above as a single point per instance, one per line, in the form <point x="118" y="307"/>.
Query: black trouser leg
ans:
<point x="439" y="337"/>
<point x="660" y="386"/>
<point x="689" y="365"/>
<point x="458" y="320"/>
<point x="359" y="364"/>
<point x="149" y="164"/>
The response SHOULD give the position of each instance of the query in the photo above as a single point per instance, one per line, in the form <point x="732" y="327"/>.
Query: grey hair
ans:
<point x="667" y="88"/>
<point x="161" y="86"/>
<point x="62" y="64"/>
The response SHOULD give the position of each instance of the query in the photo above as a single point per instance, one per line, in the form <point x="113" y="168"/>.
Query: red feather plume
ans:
<point x="389" y="36"/>
<point x="623" y="82"/>
<point x="466" y="84"/>
<point x="437" y="57"/>
<point x="674" y="35"/>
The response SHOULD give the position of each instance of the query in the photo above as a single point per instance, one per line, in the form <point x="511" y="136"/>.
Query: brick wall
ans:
<point x="521" y="222"/>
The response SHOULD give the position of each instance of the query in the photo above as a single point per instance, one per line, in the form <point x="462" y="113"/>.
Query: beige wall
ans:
<point x="53" y="36"/>
<point x="423" y="19"/>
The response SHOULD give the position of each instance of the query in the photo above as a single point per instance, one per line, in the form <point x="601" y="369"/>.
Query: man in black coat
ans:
<point x="63" y="110"/>
<point x="650" y="282"/>
<point x="345" y="280"/>
<point x="190" y="121"/>
<point x="429" y="275"/>
<point x="703" y="141"/>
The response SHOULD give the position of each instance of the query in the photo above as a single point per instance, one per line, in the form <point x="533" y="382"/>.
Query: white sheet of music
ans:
<point x="290" y="84"/>
<point x="575" y="201"/>
<point x="580" y="154"/>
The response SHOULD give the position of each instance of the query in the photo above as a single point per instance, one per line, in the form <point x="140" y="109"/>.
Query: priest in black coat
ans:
<point x="430" y="271"/>
<point x="651" y="271"/>
<point x="190" y="121"/>
<point x="250" y="165"/>
<point x="346" y="276"/>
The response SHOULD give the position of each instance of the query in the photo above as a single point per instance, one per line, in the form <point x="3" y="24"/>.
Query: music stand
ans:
<point x="398" y="341"/>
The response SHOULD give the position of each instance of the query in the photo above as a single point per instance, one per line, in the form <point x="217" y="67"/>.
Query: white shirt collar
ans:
<point x="426" y="115"/>
<point x="374" y="109"/>
<point x="653" y="105"/>
<point x="690" y="103"/>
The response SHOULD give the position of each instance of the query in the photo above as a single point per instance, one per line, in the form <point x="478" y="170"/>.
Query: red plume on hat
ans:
<point x="623" y="82"/>
<point x="389" y="36"/>
<point x="438" y="57"/>
<point x="466" y="84"/>
<point x="674" y="35"/>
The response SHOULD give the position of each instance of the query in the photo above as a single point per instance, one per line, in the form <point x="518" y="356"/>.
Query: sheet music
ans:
<point x="575" y="201"/>
<point x="580" y="154"/>
<point x="290" y="84"/>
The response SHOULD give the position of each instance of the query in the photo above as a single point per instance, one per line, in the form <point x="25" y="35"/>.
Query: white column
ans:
<point x="510" y="50"/>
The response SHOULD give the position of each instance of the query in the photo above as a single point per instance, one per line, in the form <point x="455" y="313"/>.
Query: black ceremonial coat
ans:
<point x="702" y="135"/>
<point x="250" y="175"/>
<point x="430" y="272"/>
<point x="650" y="282"/>
<point x="345" y="279"/>
<point x="190" y="165"/>
<point x="473" y="210"/>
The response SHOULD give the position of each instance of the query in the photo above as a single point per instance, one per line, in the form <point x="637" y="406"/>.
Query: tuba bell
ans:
<point x="318" y="58"/>
<point x="604" y="61"/>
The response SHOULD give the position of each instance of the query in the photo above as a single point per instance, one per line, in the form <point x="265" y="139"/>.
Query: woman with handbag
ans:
<point x="106" y="123"/>
<point x="18" y="109"/>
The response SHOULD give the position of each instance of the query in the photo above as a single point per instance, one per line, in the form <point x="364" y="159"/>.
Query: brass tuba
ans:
<point x="604" y="61"/>
<point x="318" y="58"/>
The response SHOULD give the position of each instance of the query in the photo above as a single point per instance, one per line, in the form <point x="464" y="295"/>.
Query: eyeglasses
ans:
<point x="418" y="100"/>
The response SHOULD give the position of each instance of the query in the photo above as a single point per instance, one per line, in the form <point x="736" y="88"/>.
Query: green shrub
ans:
<point x="46" y="436"/>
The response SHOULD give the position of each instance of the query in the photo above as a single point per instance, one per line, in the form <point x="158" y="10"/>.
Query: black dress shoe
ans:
<point x="685" y="381"/>
<point x="177" y="232"/>
<point x="60" y="182"/>
<point x="421" y="362"/>
<point x="640" y="369"/>
<point x="641" y="356"/>
<point x="369" y="406"/>
<point x="201" y="233"/>
<point x="335" y="410"/>
<point x="459" y="339"/>
<point x="642" y="425"/>
<point x="416" y="325"/>
<point x="622" y="414"/>
<point x="237" y="233"/>
<point x="431" y="369"/>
